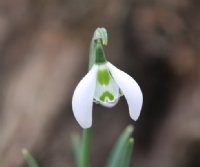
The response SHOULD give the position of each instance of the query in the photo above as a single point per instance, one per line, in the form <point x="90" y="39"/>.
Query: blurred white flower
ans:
<point x="104" y="84"/>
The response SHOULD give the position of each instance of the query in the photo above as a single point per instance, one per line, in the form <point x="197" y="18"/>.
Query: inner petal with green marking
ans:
<point x="107" y="91"/>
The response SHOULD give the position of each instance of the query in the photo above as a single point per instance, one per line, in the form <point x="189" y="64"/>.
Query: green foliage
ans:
<point x="122" y="150"/>
<point x="77" y="149"/>
<point x="126" y="157"/>
<point x="29" y="158"/>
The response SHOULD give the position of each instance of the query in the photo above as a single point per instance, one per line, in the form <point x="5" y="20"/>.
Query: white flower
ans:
<point x="104" y="84"/>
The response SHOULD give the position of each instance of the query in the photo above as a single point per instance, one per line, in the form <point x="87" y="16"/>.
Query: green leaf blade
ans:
<point x="29" y="158"/>
<point x="125" y="161"/>
<point x="77" y="149"/>
<point x="117" y="152"/>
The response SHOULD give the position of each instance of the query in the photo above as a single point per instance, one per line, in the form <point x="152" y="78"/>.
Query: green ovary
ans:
<point x="103" y="77"/>
<point x="106" y="94"/>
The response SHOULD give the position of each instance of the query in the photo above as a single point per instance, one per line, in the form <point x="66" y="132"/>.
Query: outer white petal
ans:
<point x="82" y="100"/>
<point x="130" y="89"/>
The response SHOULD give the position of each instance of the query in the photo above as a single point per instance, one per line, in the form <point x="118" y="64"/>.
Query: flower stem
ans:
<point x="85" y="148"/>
<point x="100" y="35"/>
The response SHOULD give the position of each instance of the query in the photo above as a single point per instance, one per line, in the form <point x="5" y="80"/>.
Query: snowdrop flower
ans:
<point x="104" y="84"/>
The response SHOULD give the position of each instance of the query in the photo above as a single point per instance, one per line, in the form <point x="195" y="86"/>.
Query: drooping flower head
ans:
<point x="104" y="84"/>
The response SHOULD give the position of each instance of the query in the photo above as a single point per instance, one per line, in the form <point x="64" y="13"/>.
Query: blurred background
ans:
<point x="44" y="46"/>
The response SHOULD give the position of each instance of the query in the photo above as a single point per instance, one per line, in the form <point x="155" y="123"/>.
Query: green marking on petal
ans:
<point x="103" y="77"/>
<point x="106" y="94"/>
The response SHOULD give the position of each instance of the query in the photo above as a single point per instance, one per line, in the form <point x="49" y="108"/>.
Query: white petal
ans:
<point x="82" y="100"/>
<point x="111" y="88"/>
<point x="130" y="89"/>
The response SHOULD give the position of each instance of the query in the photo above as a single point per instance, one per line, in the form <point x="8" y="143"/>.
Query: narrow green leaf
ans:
<point x="117" y="152"/>
<point x="77" y="149"/>
<point x="29" y="158"/>
<point x="125" y="161"/>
